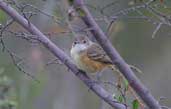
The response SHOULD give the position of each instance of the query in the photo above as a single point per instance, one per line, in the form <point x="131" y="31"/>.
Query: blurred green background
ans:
<point x="60" y="89"/>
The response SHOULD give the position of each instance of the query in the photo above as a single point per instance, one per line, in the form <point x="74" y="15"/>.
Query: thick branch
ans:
<point x="135" y="83"/>
<point x="102" y="93"/>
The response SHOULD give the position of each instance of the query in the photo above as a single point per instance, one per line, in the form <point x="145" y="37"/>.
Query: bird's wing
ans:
<point x="96" y="53"/>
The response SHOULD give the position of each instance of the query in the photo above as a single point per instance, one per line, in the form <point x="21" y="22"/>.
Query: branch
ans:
<point x="102" y="93"/>
<point x="159" y="20"/>
<point x="117" y="60"/>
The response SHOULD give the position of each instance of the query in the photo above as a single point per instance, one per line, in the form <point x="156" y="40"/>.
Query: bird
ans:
<point x="89" y="56"/>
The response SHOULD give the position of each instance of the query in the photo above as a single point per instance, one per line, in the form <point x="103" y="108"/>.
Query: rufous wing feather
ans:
<point x="96" y="53"/>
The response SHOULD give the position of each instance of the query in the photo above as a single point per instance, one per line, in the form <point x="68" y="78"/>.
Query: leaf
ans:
<point x="81" y="12"/>
<point x="120" y="98"/>
<point x="3" y="16"/>
<point x="135" y="104"/>
<point x="12" y="103"/>
<point x="7" y="103"/>
<point x="5" y="81"/>
<point x="126" y="83"/>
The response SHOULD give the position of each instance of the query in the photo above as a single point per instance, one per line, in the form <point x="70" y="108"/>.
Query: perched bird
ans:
<point x="89" y="56"/>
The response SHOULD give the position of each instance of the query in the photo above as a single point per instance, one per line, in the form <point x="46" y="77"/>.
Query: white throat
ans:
<point x="76" y="54"/>
<point x="79" y="48"/>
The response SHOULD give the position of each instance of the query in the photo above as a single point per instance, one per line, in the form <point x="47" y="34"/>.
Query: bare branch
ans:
<point x="159" y="20"/>
<point x="54" y="18"/>
<point x="17" y="64"/>
<point x="17" y="61"/>
<point x="54" y="61"/>
<point x="156" y="30"/>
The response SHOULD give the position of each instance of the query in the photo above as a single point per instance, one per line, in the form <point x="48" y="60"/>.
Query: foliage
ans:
<point x="7" y="92"/>
<point x="3" y="16"/>
<point x="135" y="104"/>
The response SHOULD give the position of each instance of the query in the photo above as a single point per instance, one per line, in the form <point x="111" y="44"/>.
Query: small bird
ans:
<point x="89" y="56"/>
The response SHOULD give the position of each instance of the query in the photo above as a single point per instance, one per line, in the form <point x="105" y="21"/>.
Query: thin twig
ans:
<point x="156" y="30"/>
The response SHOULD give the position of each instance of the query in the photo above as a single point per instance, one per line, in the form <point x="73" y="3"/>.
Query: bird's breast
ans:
<point x="86" y="64"/>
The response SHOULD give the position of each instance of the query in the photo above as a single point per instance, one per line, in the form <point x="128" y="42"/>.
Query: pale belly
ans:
<point x="81" y="65"/>
<point x="86" y="64"/>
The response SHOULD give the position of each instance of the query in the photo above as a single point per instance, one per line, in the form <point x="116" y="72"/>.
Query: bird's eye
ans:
<point x="84" y="41"/>
<point x="75" y="42"/>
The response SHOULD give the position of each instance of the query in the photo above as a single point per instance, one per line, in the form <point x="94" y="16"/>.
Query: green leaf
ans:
<point x="120" y="98"/>
<point x="126" y="83"/>
<point x="135" y="104"/>
<point x="12" y="103"/>
<point x="5" y="81"/>
<point x="81" y="12"/>
<point x="3" y="16"/>
<point x="5" y="103"/>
